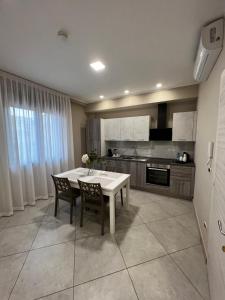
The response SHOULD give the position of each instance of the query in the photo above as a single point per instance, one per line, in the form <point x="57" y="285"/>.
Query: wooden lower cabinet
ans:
<point x="180" y="188"/>
<point x="182" y="181"/>
<point x="133" y="173"/>
<point x="127" y="167"/>
<point x="181" y="178"/>
<point x="141" y="175"/>
<point x="111" y="165"/>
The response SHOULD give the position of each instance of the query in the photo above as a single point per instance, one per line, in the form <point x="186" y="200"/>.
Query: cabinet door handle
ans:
<point x="221" y="227"/>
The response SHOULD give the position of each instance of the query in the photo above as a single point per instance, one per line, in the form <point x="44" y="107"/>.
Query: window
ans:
<point x="36" y="135"/>
<point x="26" y="134"/>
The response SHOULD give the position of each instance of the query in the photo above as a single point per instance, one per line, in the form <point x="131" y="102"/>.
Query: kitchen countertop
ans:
<point x="144" y="159"/>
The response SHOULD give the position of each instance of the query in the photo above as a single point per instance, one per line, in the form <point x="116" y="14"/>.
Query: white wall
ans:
<point x="206" y="131"/>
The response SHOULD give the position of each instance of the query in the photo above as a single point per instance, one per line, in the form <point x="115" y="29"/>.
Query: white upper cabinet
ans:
<point x="127" y="129"/>
<point x="112" y="129"/>
<point x="184" y="126"/>
<point x="141" y="127"/>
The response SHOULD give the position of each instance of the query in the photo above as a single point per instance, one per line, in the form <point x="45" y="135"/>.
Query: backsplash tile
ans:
<point x="162" y="149"/>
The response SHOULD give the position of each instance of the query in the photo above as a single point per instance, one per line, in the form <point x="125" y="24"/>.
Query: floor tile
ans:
<point x="117" y="286"/>
<point x="9" y="271"/>
<point x="172" y="235"/>
<point x="96" y="257"/>
<point x="192" y="263"/>
<point x="127" y="218"/>
<point x="139" y="198"/>
<point x="138" y="245"/>
<point x="152" y="212"/>
<point x="3" y="222"/>
<point x="53" y="233"/>
<point x="175" y="207"/>
<point x="64" y="295"/>
<point x="91" y="226"/>
<point x="17" y="239"/>
<point x="46" y="270"/>
<point x="63" y="213"/>
<point x="190" y="222"/>
<point x="31" y="214"/>
<point x="161" y="279"/>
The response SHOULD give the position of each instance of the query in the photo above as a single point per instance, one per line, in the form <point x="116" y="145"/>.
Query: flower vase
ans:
<point x="89" y="166"/>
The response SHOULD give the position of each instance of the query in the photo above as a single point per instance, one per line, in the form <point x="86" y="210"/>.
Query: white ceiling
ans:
<point x="141" y="42"/>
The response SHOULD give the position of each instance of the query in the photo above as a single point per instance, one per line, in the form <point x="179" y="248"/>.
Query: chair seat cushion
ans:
<point x="69" y="195"/>
<point x="95" y="204"/>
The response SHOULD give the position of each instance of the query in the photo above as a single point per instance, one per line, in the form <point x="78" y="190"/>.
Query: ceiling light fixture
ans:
<point x="97" y="66"/>
<point x="101" y="97"/>
<point x="126" y="92"/>
<point x="159" y="85"/>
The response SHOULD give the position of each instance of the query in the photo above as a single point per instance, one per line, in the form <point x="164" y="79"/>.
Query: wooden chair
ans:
<point x="64" y="191"/>
<point x="93" y="198"/>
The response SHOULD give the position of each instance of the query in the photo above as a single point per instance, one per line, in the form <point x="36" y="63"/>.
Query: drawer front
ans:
<point x="182" y="171"/>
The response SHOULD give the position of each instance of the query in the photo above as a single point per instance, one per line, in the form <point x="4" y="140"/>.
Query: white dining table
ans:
<point x="111" y="183"/>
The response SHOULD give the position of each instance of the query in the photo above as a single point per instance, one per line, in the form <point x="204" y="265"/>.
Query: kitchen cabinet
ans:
<point x="95" y="136"/>
<point x="141" y="175"/>
<point x="120" y="166"/>
<point x="123" y="167"/>
<point x="112" y="129"/>
<point x="141" y="126"/>
<point x="111" y="165"/>
<point x="181" y="178"/>
<point x="127" y="129"/>
<point x="184" y="126"/>
<point x="182" y="181"/>
<point x="133" y="173"/>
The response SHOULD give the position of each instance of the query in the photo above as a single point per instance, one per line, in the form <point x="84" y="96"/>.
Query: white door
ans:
<point x="216" y="238"/>
<point x="184" y="124"/>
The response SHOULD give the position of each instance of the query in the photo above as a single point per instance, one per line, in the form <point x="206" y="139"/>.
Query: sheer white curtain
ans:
<point x="35" y="141"/>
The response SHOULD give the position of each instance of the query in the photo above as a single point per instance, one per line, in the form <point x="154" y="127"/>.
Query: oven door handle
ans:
<point x="157" y="169"/>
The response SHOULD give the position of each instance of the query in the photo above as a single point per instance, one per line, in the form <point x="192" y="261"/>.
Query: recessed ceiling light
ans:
<point x="97" y="66"/>
<point x="101" y="97"/>
<point x="126" y="92"/>
<point x="159" y="85"/>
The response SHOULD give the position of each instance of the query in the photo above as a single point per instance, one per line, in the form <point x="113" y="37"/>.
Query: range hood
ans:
<point x="161" y="133"/>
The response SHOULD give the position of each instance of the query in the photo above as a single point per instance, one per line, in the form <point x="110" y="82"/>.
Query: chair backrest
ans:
<point x="61" y="184"/>
<point x="91" y="191"/>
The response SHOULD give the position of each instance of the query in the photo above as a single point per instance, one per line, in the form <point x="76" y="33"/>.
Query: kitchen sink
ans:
<point x="134" y="158"/>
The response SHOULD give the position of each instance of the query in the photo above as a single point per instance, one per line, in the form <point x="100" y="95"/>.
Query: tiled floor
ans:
<point x="154" y="255"/>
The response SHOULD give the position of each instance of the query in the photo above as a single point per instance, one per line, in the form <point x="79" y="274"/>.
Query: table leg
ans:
<point x="112" y="213"/>
<point x="127" y="191"/>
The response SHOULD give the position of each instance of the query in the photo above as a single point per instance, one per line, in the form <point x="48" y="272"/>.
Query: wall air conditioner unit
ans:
<point x="210" y="46"/>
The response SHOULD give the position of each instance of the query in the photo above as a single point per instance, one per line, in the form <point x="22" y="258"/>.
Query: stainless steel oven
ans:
<point x="158" y="174"/>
